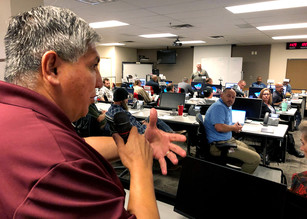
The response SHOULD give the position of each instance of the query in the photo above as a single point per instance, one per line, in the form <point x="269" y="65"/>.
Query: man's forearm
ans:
<point x="223" y="128"/>
<point x="105" y="146"/>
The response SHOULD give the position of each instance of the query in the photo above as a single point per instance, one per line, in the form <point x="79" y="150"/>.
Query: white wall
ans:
<point x="209" y="52"/>
<point x="5" y="13"/>
<point x="278" y="60"/>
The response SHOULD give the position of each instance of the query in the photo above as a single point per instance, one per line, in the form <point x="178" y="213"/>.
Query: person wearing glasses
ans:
<point x="266" y="96"/>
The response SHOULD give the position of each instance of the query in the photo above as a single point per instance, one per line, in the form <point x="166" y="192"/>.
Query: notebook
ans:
<point x="238" y="116"/>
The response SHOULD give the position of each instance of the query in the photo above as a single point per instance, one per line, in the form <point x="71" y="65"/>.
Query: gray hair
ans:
<point x="303" y="128"/>
<point x="45" y="28"/>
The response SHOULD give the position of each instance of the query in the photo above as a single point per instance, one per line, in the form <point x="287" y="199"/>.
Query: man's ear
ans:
<point x="50" y="63"/>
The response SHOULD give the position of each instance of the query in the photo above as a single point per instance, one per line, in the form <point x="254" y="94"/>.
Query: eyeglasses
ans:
<point x="265" y="94"/>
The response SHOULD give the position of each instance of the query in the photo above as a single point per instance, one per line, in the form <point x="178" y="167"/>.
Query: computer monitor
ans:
<point x="197" y="86"/>
<point x="217" y="89"/>
<point x="252" y="106"/>
<point x="168" y="82"/>
<point x="171" y="100"/>
<point x="230" y="85"/>
<point x="254" y="92"/>
<point x="143" y="81"/>
<point x="130" y="96"/>
<point x="208" y="190"/>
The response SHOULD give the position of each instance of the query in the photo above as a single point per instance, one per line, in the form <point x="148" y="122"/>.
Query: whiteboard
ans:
<point x="139" y="70"/>
<point x="105" y="67"/>
<point x="227" y="68"/>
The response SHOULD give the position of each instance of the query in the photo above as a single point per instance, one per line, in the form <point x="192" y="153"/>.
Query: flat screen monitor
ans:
<point x="217" y="89"/>
<point x="143" y="81"/>
<point x="172" y="100"/>
<point x="168" y="82"/>
<point x="254" y="92"/>
<point x="238" y="116"/>
<point x="230" y="85"/>
<point x="130" y="96"/>
<point x="208" y="190"/>
<point x="166" y="56"/>
<point x="197" y="86"/>
<point x="251" y="106"/>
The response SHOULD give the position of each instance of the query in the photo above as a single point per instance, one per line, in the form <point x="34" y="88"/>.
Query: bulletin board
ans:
<point x="297" y="73"/>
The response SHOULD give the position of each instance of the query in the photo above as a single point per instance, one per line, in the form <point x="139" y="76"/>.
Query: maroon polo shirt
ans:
<point x="46" y="169"/>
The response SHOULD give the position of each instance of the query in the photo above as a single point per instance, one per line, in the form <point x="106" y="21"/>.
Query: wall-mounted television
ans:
<point x="166" y="56"/>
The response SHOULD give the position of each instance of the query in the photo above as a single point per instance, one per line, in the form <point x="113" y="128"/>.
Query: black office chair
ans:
<point x="203" y="147"/>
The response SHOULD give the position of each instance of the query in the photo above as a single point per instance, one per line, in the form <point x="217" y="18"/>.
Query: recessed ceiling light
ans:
<point x="283" y="26"/>
<point x="105" y="24"/>
<point x="289" y="37"/>
<point x="267" y="6"/>
<point x="192" y="42"/>
<point x="158" y="35"/>
<point x="112" y="44"/>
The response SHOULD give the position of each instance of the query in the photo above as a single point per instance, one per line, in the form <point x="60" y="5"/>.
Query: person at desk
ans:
<point x="105" y="93"/>
<point x="278" y="94"/>
<point x="120" y="105"/>
<point x="199" y="74"/>
<point x="140" y="91"/>
<point x="286" y="84"/>
<point x="266" y="96"/>
<point x="238" y="88"/>
<point x="299" y="180"/>
<point x="186" y="86"/>
<point x="170" y="88"/>
<point x="259" y="83"/>
<point x="219" y="128"/>
<point x="153" y="82"/>
<point x="47" y="170"/>
<point x="209" y="81"/>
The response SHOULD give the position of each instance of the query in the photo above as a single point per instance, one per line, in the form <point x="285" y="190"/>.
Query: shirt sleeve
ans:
<point x="77" y="189"/>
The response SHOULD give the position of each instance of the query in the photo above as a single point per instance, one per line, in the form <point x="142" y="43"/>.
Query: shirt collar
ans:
<point x="23" y="97"/>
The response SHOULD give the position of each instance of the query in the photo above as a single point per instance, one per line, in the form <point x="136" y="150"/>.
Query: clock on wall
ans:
<point x="297" y="45"/>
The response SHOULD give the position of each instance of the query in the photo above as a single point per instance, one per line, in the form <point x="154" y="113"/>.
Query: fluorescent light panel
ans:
<point x="112" y="44"/>
<point x="192" y="42"/>
<point x="289" y="37"/>
<point x="158" y="35"/>
<point x="106" y="24"/>
<point x="267" y="6"/>
<point x="283" y="26"/>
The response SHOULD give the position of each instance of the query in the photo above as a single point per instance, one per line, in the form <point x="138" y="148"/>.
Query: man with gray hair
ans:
<point x="186" y="86"/>
<point x="47" y="170"/>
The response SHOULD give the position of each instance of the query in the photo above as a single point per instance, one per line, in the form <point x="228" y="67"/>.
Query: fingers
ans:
<point x="118" y="139"/>
<point x="177" y="137"/>
<point x="172" y="157"/>
<point x="178" y="150"/>
<point x="153" y="117"/>
<point x="163" y="165"/>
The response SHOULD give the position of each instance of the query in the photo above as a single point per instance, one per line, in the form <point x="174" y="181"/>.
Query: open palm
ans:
<point x="161" y="143"/>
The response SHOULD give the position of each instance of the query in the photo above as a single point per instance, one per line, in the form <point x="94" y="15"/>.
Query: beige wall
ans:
<point x="278" y="60"/>
<point x="117" y="56"/>
<point x="173" y="72"/>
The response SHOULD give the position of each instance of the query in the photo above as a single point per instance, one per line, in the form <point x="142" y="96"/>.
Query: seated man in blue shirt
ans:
<point x="219" y="128"/>
<point x="259" y="83"/>
<point x="120" y="98"/>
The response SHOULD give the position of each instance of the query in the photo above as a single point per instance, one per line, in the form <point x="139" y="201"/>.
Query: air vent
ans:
<point x="128" y="41"/>
<point x="95" y="2"/>
<point x="216" y="37"/>
<point x="181" y="26"/>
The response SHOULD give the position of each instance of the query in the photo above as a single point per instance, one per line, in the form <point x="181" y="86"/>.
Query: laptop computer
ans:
<point x="238" y="116"/>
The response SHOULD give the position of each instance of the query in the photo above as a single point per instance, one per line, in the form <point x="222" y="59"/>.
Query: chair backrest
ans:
<point x="149" y="88"/>
<point x="202" y="147"/>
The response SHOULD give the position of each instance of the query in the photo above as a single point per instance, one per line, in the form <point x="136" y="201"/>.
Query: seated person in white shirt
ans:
<point x="105" y="93"/>
<point x="140" y="91"/>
